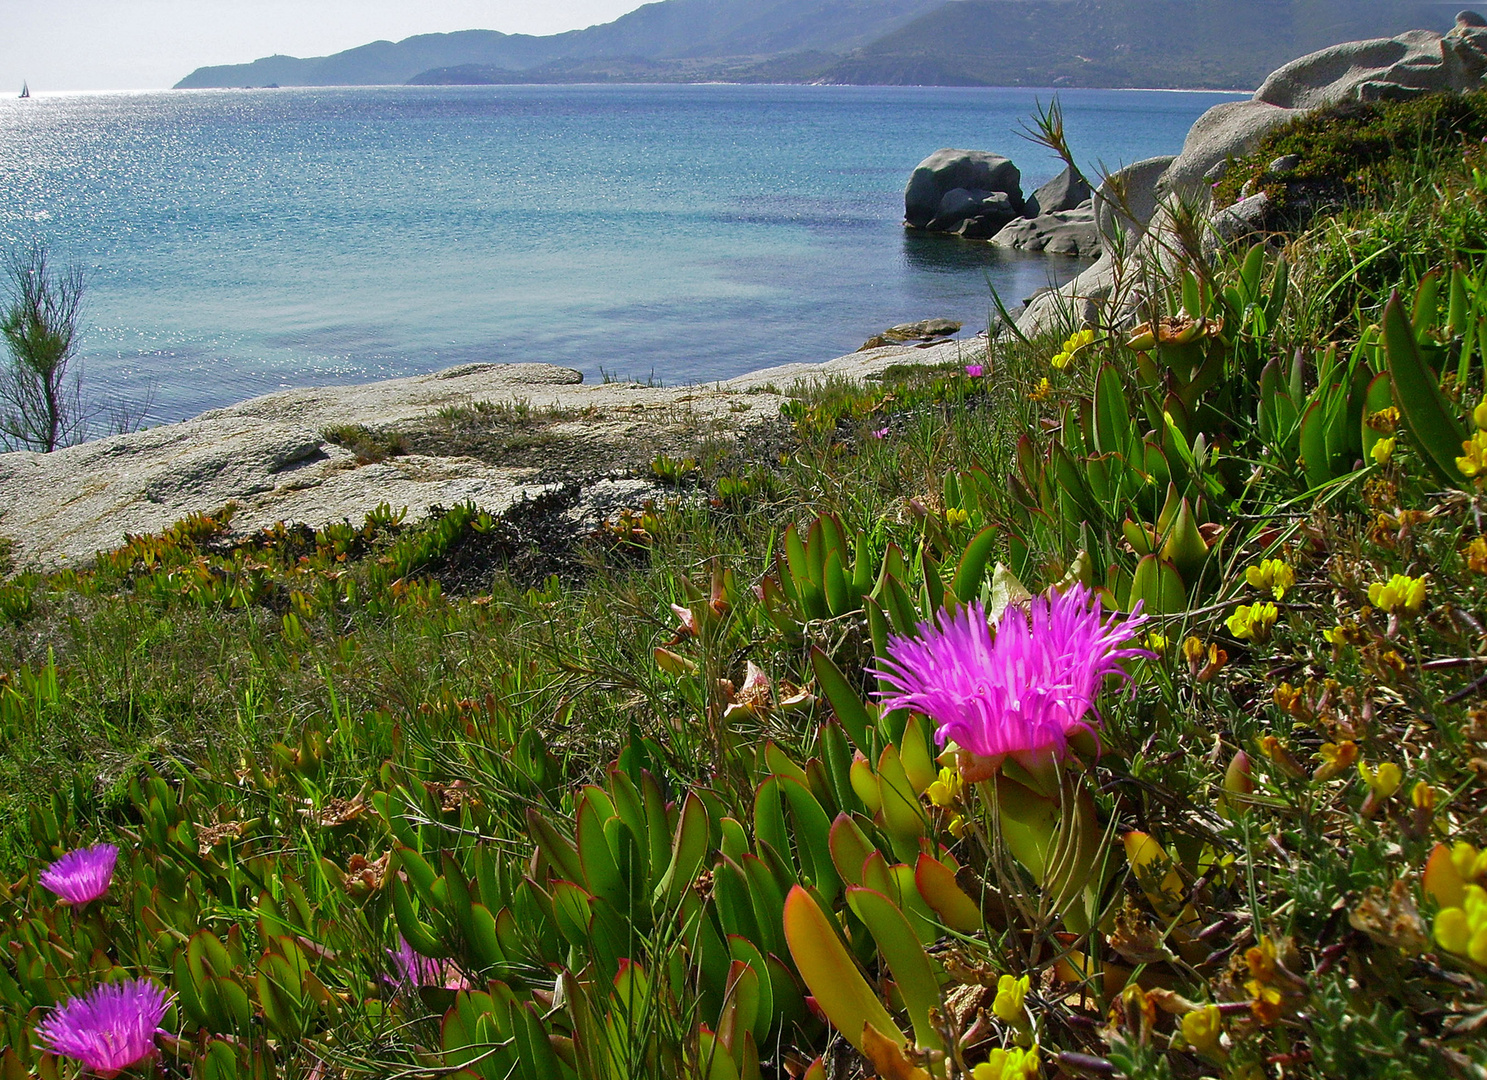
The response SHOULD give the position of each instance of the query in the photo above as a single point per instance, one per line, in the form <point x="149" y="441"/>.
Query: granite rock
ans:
<point x="949" y="186"/>
<point x="270" y="455"/>
<point x="1413" y="63"/>
<point x="1059" y="232"/>
<point x="1066" y="191"/>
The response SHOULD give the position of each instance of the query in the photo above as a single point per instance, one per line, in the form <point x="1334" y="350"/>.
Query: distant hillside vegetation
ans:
<point x="1219" y="44"/>
<point x="670" y="30"/>
<point x="1115" y="43"/>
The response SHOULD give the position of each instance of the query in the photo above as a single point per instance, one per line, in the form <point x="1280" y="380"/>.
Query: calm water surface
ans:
<point x="238" y="242"/>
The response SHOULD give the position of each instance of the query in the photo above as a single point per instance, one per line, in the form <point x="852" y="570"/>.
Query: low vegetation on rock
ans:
<point x="1115" y="706"/>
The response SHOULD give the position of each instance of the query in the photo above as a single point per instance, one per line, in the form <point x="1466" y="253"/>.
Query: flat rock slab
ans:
<point x="271" y="456"/>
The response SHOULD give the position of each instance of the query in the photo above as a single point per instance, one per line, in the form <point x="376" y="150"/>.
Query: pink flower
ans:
<point x="1029" y="689"/>
<point x="687" y="619"/>
<point x="974" y="370"/>
<point x="82" y="875"/>
<point x="415" y="970"/>
<point x="881" y="433"/>
<point x="108" y="1029"/>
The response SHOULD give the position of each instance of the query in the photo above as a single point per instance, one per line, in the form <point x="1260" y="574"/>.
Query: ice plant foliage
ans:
<point x="415" y="971"/>
<point x="82" y="875"/>
<point x="1027" y="689"/>
<point x="108" y="1029"/>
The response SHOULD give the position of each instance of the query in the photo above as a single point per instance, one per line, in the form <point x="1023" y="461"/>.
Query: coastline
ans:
<point x="272" y="455"/>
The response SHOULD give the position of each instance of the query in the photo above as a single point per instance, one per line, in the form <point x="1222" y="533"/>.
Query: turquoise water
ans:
<point x="238" y="242"/>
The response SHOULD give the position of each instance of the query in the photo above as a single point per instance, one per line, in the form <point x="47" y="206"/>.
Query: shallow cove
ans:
<point x="239" y="242"/>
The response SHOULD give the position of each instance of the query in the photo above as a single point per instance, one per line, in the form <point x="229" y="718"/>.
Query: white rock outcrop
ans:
<point x="270" y="456"/>
<point x="1135" y="201"/>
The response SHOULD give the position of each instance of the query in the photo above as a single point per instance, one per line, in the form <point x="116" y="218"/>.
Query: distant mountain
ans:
<point x="1113" y="43"/>
<point x="670" y="30"/>
<point x="1213" y="44"/>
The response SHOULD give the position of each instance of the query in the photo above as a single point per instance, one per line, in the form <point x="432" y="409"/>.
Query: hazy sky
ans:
<point x="141" y="44"/>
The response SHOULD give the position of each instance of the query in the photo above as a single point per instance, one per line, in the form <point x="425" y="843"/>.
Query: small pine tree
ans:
<point x="40" y="391"/>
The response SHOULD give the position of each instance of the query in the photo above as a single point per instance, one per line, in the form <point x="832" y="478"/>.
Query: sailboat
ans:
<point x="25" y="90"/>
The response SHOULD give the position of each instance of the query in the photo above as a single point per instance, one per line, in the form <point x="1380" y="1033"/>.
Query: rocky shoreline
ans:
<point x="497" y="434"/>
<point x="494" y="434"/>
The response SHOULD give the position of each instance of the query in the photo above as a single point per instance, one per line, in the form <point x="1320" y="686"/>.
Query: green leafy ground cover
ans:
<point x="632" y="798"/>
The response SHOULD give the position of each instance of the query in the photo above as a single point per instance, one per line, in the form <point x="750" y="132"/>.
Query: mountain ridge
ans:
<point x="672" y="30"/>
<point x="1182" y="44"/>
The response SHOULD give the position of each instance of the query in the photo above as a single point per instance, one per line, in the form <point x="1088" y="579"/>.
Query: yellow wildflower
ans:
<point x="1346" y="632"/>
<point x="1041" y="391"/>
<point x="1013" y="1064"/>
<point x="1385" y="421"/>
<point x="1009" y="996"/>
<point x="1463" y="930"/>
<point x="955" y="517"/>
<point x="1399" y="593"/>
<point x="1479" y="414"/>
<point x="1271" y="574"/>
<point x="1276" y="751"/>
<point x="1157" y="643"/>
<point x="1075" y="342"/>
<point x="1288" y="699"/>
<point x="1473" y="460"/>
<point x="1193" y="649"/>
<point x="1204" y="660"/>
<point x="1264" y="967"/>
<point x="1476" y="556"/>
<point x="945" y="791"/>
<point x="1383" y="781"/>
<point x="1336" y="759"/>
<point x="1469" y="862"/>
<point x="1253" y="622"/>
<point x="1382" y="451"/>
<point x="1203" y="1028"/>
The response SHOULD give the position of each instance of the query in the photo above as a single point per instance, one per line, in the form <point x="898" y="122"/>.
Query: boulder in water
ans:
<point x="960" y="182"/>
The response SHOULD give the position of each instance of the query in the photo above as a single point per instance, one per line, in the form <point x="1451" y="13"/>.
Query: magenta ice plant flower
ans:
<point x="880" y="433"/>
<point x="415" y="970"/>
<point x="1026" y="690"/>
<point x="974" y="370"/>
<point x="109" y="1028"/>
<point x="82" y="875"/>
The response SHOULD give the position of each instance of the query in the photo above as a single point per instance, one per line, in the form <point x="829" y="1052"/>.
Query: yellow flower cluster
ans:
<point x="945" y="790"/>
<point x="1272" y="575"/>
<point x="1385" y="421"/>
<point x="1346" y="632"/>
<point x="1336" y="759"/>
<point x="1399" y="593"/>
<point x="1473" y="459"/>
<point x="1041" y="391"/>
<point x="1383" y="781"/>
<point x="1010" y="993"/>
<point x="1264" y="984"/>
<point x="955" y="517"/>
<point x="1076" y="341"/>
<point x="1476" y="556"/>
<point x="1011" y="1064"/>
<point x="1383" y="450"/>
<point x="1253" y="622"/>
<point x="1463" y="930"/>
<point x="1203" y="1029"/>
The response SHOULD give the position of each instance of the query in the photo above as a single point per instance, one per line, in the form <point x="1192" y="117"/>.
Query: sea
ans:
<point x="238" y="242"/>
